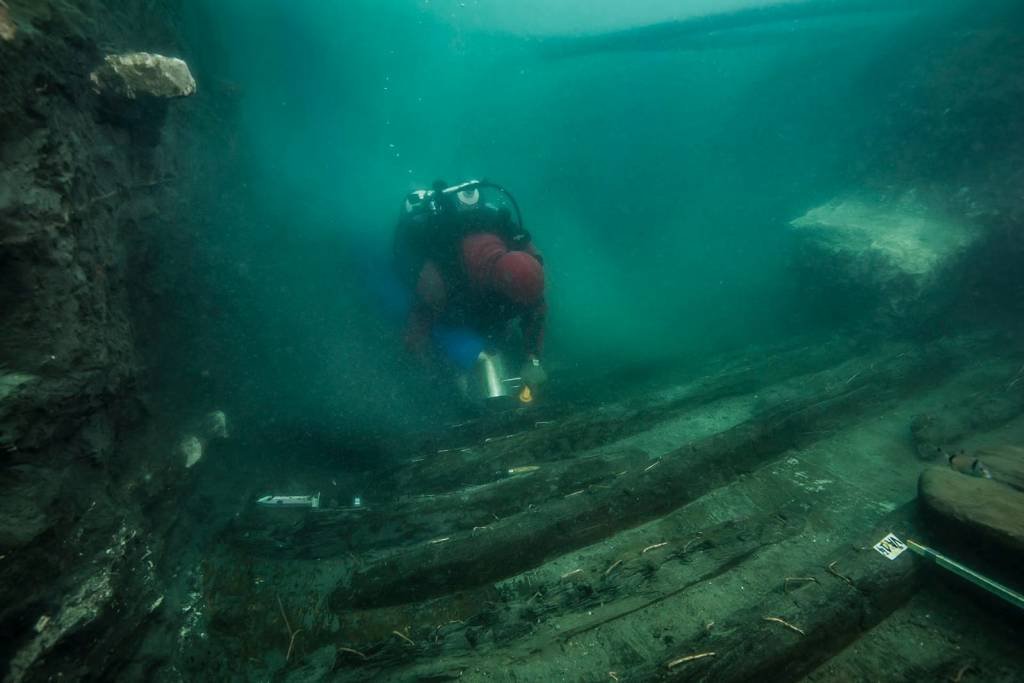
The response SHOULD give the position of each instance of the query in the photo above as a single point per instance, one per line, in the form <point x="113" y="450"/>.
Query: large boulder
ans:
<point x="887" y="255"/>
<point x="140" y="74"/>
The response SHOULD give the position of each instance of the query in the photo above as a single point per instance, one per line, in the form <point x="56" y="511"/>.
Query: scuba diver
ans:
<point x="473" y="272"/>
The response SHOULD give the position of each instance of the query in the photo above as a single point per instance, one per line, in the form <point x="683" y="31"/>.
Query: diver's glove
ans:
<point x="532" y="373"/>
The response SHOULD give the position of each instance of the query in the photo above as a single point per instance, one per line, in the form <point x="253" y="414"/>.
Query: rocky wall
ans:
<point x="958" y="135"/>
<point x="929" y="237"/>
<point x="83" y="183"/>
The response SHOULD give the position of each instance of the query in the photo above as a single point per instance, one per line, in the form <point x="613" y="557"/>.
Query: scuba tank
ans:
<point x="433" y="212"/>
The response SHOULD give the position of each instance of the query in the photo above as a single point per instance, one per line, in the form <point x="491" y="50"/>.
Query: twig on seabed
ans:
<point x="613" y="675"/>
<point x="291" y="633"/>
<point x="786" y="624"/>
<point x="1016" y="378"/>
<point x="283" y="615"/>
<point x="654" y="547"/>
<point x="831" y="569"/>
<point x="351" y="651"/>
<point x="572" y="573"/>
<point x="492" y="439"/>
<point x="291" y="645"/>
<point x="404" y="637"/>
<point x="615" y="564"/>
<point x="437" y="629"/>
<point x="960" y="674"/>
<point x="689" y="658"/>
<point x="698" y="537"/>
<point x="797" y="579"/>
<point x="652" y="465"/>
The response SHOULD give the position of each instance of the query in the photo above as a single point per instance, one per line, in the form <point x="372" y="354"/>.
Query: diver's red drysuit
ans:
<point x="485" y="287"/>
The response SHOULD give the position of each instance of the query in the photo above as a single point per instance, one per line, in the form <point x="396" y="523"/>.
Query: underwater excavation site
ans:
<point x="512" y="340"/>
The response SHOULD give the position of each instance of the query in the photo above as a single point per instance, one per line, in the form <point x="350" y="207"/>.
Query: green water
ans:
<point x="659" y="152"/>
<point x="658" y="183"/>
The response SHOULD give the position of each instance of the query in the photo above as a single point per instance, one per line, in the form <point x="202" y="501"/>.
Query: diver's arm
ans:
<point x="534" y="322"/>
<point x="431" y="296"/>
<point x="532" y="372"/>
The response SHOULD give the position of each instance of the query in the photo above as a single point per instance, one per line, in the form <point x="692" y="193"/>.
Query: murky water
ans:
<point x="526" y="341"/>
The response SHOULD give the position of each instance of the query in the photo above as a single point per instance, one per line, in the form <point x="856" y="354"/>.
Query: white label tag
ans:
<point x="890" y="546"/>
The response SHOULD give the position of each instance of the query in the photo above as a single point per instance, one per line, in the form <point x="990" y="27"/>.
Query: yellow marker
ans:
<point x="525" y="396"/>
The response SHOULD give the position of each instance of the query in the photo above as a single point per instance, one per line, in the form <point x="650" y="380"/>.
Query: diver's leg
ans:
<point x="461" y="348"/>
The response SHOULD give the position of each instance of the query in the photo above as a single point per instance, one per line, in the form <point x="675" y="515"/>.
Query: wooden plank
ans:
<point x="526" y="540"/>
<point x="791" y="632"/>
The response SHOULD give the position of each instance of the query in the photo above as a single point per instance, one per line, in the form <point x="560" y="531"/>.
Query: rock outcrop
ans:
<point x="140" y="74"/>
<point x="889" y="256"/>
<point x="134" y="91"/>
<point x="78" y="199"/>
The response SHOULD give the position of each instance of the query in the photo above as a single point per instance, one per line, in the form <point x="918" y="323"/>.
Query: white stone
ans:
<point x="216" y="425"/>
<point x="899" y="250"/>
<point x="192" y="450"/>
<point x="141" y="74"/>
<point x="906" y="235"/>
<point x="8" y="29"/>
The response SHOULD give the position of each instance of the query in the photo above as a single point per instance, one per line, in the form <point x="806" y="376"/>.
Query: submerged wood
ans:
<point x="314" y="534"/>
<point x="468" y="489"/>
<point x="561" y="525"/>
<point x="511" y="615"/>
<point x="582" y="430"/>
<point x="981" y="411"/>
<point x="979" y="510"/>
<point x="830" y="612"/>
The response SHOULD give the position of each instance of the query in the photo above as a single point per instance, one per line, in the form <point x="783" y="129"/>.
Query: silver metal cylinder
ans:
<point x="490" y="371"/>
